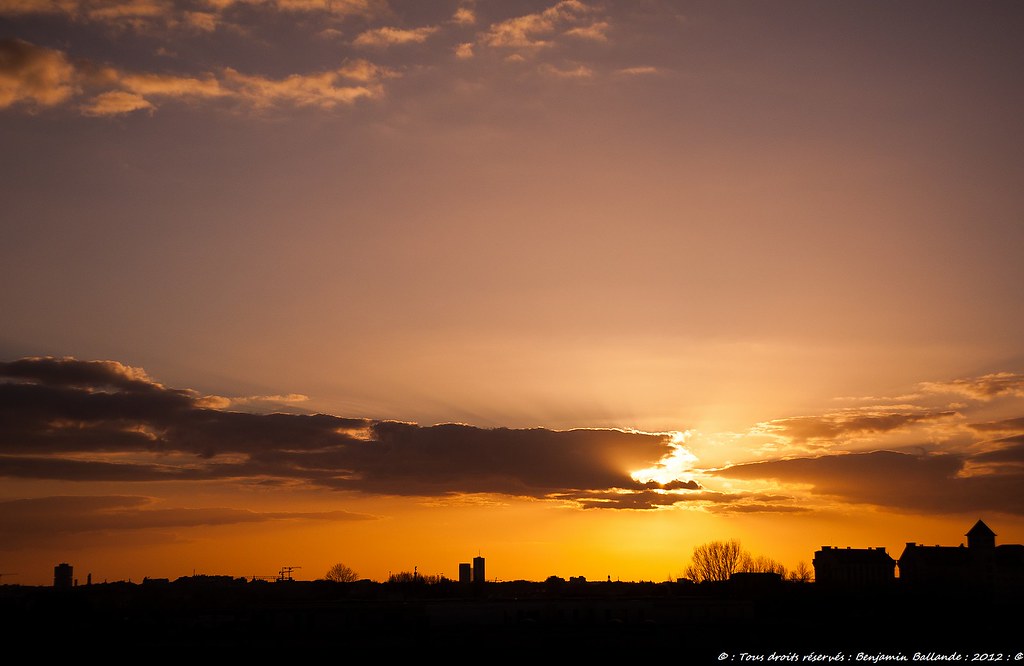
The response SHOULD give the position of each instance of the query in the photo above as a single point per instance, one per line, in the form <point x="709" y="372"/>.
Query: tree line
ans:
<point x="718" y="560"/>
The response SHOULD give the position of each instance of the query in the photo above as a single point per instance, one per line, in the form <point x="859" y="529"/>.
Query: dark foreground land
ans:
<point x="690" y="623"/>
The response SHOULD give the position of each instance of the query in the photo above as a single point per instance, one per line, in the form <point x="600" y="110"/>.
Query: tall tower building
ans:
<point x="465" y="572"/>
<point x="63" y="575"/>
<point x="478" y="570"/>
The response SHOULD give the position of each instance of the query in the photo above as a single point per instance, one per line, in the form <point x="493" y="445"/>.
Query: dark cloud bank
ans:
<point x="72" y="420"/>
<point x="921" y="483"/>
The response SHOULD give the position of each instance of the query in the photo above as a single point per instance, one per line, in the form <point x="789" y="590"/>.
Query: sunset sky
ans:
<point x="574" y="285"/>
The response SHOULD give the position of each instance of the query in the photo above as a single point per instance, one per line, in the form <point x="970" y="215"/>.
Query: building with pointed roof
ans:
<point x="981" y="536"/>
<point x="980" y="566"/>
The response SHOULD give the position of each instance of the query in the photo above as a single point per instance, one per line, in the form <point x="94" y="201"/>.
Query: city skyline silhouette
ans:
<point x="853" y="610"/>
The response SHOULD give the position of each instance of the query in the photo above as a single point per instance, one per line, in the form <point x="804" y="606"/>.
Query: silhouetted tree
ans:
<point x="416" y="577"/>
<point x="340" y="573"/>
<point x="760" y="564"/>
<point x="802" y="573"/>
<point x="716" y="560"/>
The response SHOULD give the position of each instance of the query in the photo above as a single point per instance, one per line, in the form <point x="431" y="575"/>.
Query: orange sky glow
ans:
<point x="574" y="285"/>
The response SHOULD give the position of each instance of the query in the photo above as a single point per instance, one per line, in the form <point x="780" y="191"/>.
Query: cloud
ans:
<point x="277" y="398"/>
<point x="17" y="7"/>
<point x="408" y="459"/>
<point x="365" y="71"/>
<point x="380" y="37"/>
<point x="464" y="51"/>
<point x="925" y="483"/>
<point x="204" y="16"/>
<point x="596" y="31"/>
<point x="697" y="497"/>
<point x="682" y="485"/>
<point x="1009" y="450"/>
<point x="205" y="21"/>
<point x="132" y="12"/>
<point x="578" y="72"/>
<point x="535" y="30"/>
<point x="116" y="103"/>
<point x="637" y="71"/>
<point x="68" y="371"/>
<point x="67" y="419"/>
<point x="638" y="500"/>
<point x="1005" y="425"/>
<point x="365" y="8"/>
<point x="34" y="75"/>
<point x="23" y="521"/>
<point x="851" y="422"/>
<point x="982" y="388"/>
<point x="464" y="16"/>
<point x="104" y="421"/>
<point x="325" y="90"/>
<point x="69" y="469"/>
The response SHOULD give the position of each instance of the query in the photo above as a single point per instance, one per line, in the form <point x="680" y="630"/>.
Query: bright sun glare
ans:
<point x="673" y="466"/>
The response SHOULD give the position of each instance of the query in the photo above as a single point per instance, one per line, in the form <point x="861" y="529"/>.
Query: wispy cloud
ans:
<point x="844" y="424"/>
<point x="531" y="31"/>
<point x="325" y="90"/>
<point x="36" y="76"/>
<point x="637" y="71"/>
<point x="577" y="72"/>
<point x="596" y="31"/>
<point x="169" y="14"/>
<point x="115" y="103"/>
<point x="986" y="387"/>
<point x="1004" y="425"/>
<point x="382" y="37"/>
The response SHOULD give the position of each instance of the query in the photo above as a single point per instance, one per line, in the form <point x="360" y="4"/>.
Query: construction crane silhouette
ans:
<point x="286" y="573"/>
<point x="6" y="574"/>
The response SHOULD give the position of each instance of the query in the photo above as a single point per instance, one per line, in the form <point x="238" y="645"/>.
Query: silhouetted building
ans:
<point x="63" y="575"/>
<point x="980" y="566"/>
<point x="981" y="536"/>
<point x="465" y="572"/>
<point x="478" y="570"/>
<point x="853" y="567"/>
<point x="755" y="581"/>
